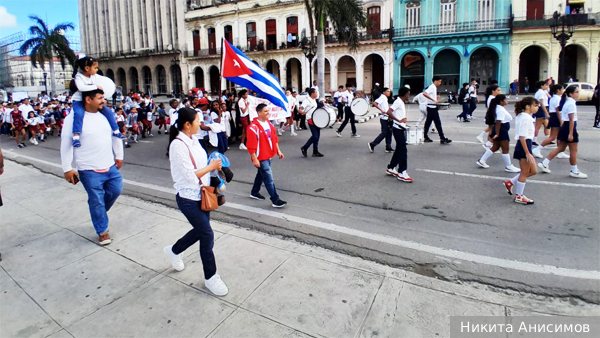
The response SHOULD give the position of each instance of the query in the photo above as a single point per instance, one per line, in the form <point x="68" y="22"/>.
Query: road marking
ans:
<point x="450" y="253"/>
<point x="593" y="186"/>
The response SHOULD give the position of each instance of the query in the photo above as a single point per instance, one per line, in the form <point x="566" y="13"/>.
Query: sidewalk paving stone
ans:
<point x="247" y="324"/>
<point x="21" y="226"/>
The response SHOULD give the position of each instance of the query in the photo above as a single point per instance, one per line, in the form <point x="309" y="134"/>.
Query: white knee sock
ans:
<point x="515" y="179"/>
<point x="520" y="188"/>
<point x="546" y="162"/>
<point x="482" y="134"/>
<point x="488" y="144"/>
<point x="506" y="158"/>
<point x="486" y="155"/>
<point x="540" y="147"/>
<point x="574" y="168"/>
<point x="292" y="129"/>
<point x="535" y="139"/>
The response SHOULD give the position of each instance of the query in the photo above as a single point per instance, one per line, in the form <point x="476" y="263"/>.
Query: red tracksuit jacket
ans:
<point x="258" y="141"/>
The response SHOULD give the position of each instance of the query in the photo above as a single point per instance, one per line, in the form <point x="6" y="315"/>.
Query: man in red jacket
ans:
<point x="263" y="145"/>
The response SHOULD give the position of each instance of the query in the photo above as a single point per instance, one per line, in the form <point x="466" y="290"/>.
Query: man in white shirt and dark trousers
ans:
<point x="98" y="161"/>
<point x="382" y="104"/>
<point x="337" y="100"/>
<point x="397" y="113"/>
<point x="472" y="98"/>
<point x="347" y="98"/>
<point x="432" y="111"/>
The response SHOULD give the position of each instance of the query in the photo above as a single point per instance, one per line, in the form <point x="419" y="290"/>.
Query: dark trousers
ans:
<point x="465" y="110"/>
<point x="303" y="122"/>
<point x="201" y="232"/>
<point x="223" y="143"/>
<point x="433" y="116"/>
<point x="340" y="115"/>
<point x="386" y="133"/>
<point x="349" y="117"/>
<point x="472" y="105"/>
<point x="400" y="157"/>
<point x="314" y="138"/>
<point x="597" y="118"/>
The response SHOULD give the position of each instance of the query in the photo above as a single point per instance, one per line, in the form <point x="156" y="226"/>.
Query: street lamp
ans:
<point x="45" y="82"/>
<point x="562" y="28"/>
<point x="308" y="49"/>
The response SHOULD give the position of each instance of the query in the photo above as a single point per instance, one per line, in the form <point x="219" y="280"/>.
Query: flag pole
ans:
<point x="221" y="68"/>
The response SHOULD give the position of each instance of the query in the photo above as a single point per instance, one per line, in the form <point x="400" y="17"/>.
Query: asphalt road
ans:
<point x="457" y="218"/>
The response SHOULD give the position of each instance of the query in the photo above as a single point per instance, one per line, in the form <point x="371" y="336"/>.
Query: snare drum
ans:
<point x="359" y="106"/>
<point x="415" y="135"/>
<point x="324" y="117"/>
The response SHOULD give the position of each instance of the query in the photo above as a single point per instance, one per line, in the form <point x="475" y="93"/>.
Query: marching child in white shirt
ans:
<point x="84" y="81"/>
<point x="32" y="122"/>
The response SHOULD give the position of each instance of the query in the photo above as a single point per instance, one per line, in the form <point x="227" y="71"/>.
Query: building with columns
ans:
<point x="139" y="43"/>
<point x="536" y="53"/>
<point x="269" y="31"/>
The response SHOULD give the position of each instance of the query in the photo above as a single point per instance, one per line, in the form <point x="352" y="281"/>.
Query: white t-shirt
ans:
<point x="347" y="97"/>
<point x="337" y="95"/>
<point x="542" y="96"/>
<point x="225" y="118"/>
<point x="243" y="105"/>
<point x="421" y="99"/>
<point x="503" y="115"/>
<point x="25" y="109"/>
<point x="173" y="115"/>
<point x="432" y="92"/>
<point x="524" y="126"/>
<point x="6" y="118"/>
<point x="214" y="116"/>
<point x="267" y="127"/>
<point x="569" y="108"/>
<point x="472" y="91"/>
<point x="291" y="103"/>
<point x="383" y="104"/>
<point x="316" y="88"/>
<point x="399" y="111"/>
<point x="309" y="105"/>
<point x="554" y="103"/>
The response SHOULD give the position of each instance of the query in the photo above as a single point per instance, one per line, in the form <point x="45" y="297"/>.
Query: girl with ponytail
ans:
<point x="554" y="122"/>
<point x="542" y="115"/>
<point x="499" y="118"/>
<point x="84" y="80"/>
<point x="567" y="135"/>
<point x="524" y="133"/>
<point x="190" y="170"/>
<point x="490" y="94"/>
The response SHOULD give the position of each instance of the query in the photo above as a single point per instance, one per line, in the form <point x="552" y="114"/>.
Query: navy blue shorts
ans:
<point x="504" y="128"/>
<point x="563" y="133"/>
<point x="553" y="122"/>
<point x="540" y="114"/>
<point x="520" y="152"/>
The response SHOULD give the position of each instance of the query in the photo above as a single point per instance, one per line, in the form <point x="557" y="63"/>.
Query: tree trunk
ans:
<point x="321" y="64"/>
<point x="52" y="78"/>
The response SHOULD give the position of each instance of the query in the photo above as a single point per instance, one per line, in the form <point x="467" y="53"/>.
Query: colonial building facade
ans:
<point x="536" y="53"/>
<point x="459" y="40"/>
<point x="269" y="32"/>
<point x="139" y="43"/>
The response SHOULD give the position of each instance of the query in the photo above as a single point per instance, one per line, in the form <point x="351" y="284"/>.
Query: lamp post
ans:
<point x="308" y="49"/>
<point x="45" y="82"/>
<point x="562" y="29"/>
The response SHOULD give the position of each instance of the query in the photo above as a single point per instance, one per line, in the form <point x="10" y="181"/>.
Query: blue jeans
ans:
<point x="103" y="189"/>
<point x="386" y="133"/>
<point x="472" y="105"/>
<point x="314" y="138"/>
<point x="223" y="143"/>
<point x="201" y="232"/>
<point x="265" y="175"/>
<point x="79" y="113"/>
<point x="465" y="110"/>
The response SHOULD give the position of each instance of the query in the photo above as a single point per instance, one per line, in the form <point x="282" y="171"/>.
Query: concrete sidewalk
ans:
<point x="56" y="281"/>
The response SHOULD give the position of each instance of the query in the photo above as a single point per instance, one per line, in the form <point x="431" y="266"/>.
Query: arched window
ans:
<point x="228" y="33"/>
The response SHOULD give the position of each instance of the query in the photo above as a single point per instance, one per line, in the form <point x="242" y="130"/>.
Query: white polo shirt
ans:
<point x="347" y="98"/>
<point x="569" y="108"/>
<point x="383" y="104"/>
<point x="399" y="111"/>
<point x="542" y="96"/>
<point x="524" y="126"/>
<point x="432" y="92"/>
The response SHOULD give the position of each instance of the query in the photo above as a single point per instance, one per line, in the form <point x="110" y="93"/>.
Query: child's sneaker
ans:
<point x="76" y="143"/>
<point x="522" y="199"/>
<point x="118" y="135"/>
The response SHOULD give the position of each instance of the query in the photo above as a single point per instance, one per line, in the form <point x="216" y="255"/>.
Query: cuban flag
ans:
<point x="239" y="69"/>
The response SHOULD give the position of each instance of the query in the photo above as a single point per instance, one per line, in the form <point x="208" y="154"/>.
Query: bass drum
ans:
<point x="360" y="107"/>
<point x="324" y="117"/>
<point x="108" y="86"/>
<point x="415" y="135"/>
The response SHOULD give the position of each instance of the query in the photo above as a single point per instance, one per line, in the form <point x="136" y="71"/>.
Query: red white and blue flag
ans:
<point x="239" y="69"/>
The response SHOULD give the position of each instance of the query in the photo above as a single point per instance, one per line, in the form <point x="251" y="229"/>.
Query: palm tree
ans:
<point x="46" y="44"/>
<point x="346" y="17"/>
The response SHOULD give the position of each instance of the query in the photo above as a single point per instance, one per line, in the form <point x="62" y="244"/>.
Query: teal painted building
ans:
<point x="459" y="40"/>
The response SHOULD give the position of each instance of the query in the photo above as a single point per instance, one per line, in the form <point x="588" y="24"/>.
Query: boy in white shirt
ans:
<point x="432" y="111"/>
<point x="382" y="104"/>
<point x="347" y="98"/>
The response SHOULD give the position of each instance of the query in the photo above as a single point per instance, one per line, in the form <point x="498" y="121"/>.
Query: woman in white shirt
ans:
<point x="524" y="133"/>
<point x="567" y="135"/>
<point x="190" y="170"/>
<point x="554" y="122"/>
<point x="498" y="118"/>
<point x="542" y="114"/>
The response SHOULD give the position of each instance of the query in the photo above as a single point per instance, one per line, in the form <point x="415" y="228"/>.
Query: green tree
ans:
<point x="346" y="16"/>
<point x="45" y="44"/>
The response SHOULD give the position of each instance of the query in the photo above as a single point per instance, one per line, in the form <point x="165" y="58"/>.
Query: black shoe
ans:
<point x="159" y="132"/>
<point x="167" y="132"/>
<point x="20" y="145"/>
<point x="129" y="146"/>
<point x="167" y="154"/>
<point x="446" y="141"/>
<point x="257" y="196"/>
<point x="23" y="144"/>
<point x="317" y="154"/>
<point x="42" y="140"/>
<point x="534" y="143"/>
<point x="427" y="140"/>
<point x="389" y="150"/>
<point x="555" y="142"/>
<point x="465" y="120"/>
<point x="304" y="153"/>
<point x="279" y="204"/>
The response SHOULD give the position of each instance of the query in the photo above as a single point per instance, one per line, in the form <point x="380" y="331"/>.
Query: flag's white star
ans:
<point x="236" y="64"/>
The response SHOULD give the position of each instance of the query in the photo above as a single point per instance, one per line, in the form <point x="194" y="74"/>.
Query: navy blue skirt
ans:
<point x="504" y="128"/>
<point x="563" y="133"/>
<point x="520" y="152"/>
<point x="553" y="122"/>
<point x="540" y="114"/>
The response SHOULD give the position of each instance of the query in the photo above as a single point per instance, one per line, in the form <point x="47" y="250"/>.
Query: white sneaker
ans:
<point x="243" y="147"/>
<point x="544" y="168"/>
<point x="578" y="174"/>
<point x="563" y="155"/>
<point x="512" y="169"/>
<point x="216" y="285"/>
<point x="176" y="260"/>
<point x="537" y="153"/>
<point x="355" y="135"/>
<point x="480" y="139"/>
<point x="32" y="140"/>
<point x="392" y="172"/>
<point x="35" y="141"/>
<point x="293" y="134"/>
<point x="482" y="164"/>
<point x="279" y="133"/>
<point x="151" y="135"/>
<point x="404" y="177"/>
<point x="338" y="133"/>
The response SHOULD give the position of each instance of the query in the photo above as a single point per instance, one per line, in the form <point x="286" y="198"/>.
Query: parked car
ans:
<point x="586" y="90"/>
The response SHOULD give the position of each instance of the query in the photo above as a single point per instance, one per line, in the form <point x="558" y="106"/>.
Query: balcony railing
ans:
<point x="457" y="27"/>
<point x="577" y="19"/>
<point x="142" y="52"/>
